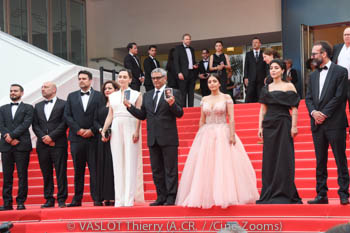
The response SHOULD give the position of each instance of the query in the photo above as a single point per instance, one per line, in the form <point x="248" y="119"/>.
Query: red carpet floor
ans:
<point x="142" y="218"/>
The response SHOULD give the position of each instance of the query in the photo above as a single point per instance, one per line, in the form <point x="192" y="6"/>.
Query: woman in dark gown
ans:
<point x="277" y="128"/>
<point x="105" y="177"/>
<point x="171" y="71"/>
<point x="219" y="62"/>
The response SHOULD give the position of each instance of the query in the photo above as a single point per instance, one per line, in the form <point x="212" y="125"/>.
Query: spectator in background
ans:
<point x="269" y="54"/>
<point x="292" y="75"/>
<point x="132" y="63"/>
<point x="172" y="76"/>
<point x="149" y="64"/>
<point x="204" y="71"/>
<point x="254" y="72"/>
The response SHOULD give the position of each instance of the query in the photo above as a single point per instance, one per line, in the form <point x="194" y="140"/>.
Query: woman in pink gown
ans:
<point x="218" y="171"/>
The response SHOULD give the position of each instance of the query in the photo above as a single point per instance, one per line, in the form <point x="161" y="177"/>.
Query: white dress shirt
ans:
<point x="14" y="109"/>
<point x="256" y="51"/>
<point x="189" y="57"/>
<point x="206" y="64"/>
<point x="48" y="108"/>
<point x="323" y="75"/>
<point x="344" y="59"/>
<point x="85" y="99"/>
<point x="161" y="90"/>
<point x="154" y="61"/>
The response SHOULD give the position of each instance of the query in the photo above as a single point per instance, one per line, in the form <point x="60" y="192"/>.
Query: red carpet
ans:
<point x="142" y="218"/>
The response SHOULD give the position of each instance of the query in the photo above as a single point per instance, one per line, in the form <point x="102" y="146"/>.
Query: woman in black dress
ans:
<point x="219" y="62"/>
<point x="277" y="128"/>
<point x="105" y="177"/>
<point x="171" y="71"/>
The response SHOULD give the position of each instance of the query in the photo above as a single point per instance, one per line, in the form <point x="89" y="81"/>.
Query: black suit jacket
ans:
<point x="201" y="68"/>
<point x="75" y="116"/>
<point x="333" y="98"/>
<point x="254" y="71"/>
<point x="181" y="60"/>
<point x="336" y="51"/>
<point x="294" y="75"/>
<point x="161" y="125"/>
<point x="148" y="66"/>
<point x="130" y="63"/>
<point x="55" y="127"/>
<point x="18" y="128"/>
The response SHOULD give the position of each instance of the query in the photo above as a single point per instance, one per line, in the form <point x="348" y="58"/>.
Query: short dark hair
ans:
<point x="152" y="47"/>
<point x="186" y="34"/>
<point x="219" y="41"/>
<point x="130" y="45"/>
<point x="256" y="38"/>
<point x="17" y="85"/>
<point x="88" y="73"/>
<point x="325" y="47"/>
<point x="271" y="51"/>
<point x="206" y="50"/>
<point x="283" y="66"/>
<point x="114" y="84"/>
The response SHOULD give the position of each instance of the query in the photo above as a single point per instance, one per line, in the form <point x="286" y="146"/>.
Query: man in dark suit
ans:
<point x="185" y="65"/>
<point x="15" y="146"/>
<point x="341" y="56"/>
<point x="326" y="101"/>
<point x="162" y="137"/>
<point x="254" y="72"/>
<point x="292" y="75"/>
<point x="51" y="130"/>
<point x="79" y="116"/>
<point x="203" y="70"/>
<point x="132" y="63"/>
<point x="149" y="64"/>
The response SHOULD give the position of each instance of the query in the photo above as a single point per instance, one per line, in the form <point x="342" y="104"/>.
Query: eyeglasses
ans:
<point x="314" y="54"/>
<point x="157" y="77"/>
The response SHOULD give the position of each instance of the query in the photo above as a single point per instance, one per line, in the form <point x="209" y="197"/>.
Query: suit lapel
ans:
<point x="79" y="99"/>
<point x="161" y="100"/>
<point x="54" y="109"/>
<point x="326" y="83"/>
<point x="92" y="93"/>
<point x="19" y="109"/>
<point x="9" y="111"/>
<point x="41" y="111"/>
<point x="316" y="82"/>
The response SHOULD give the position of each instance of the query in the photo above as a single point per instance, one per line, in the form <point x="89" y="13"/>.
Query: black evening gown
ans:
<point x="105" y="176"/>
<point x="222" y="73"/>
<point x="278" y="165"/>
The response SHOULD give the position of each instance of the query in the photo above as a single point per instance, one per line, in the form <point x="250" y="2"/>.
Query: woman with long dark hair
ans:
<point x="278" y="128"/>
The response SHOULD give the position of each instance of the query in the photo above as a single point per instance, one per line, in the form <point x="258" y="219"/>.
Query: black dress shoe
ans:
<point x="319" y="200"/>
<point x="344" y="201"/>
<point x="48" y="204"/>
<point x="6" y="226"/>
<point x="74" y="204"/>
<point x="98" y="203"/>
<point x="169" y="203"/>
<point x="6" y="207"/>
<point x="109" y="203"/>
<point x="21" y="207"/>
<point x="61" y="204"/>
<point x="157" y="203"/>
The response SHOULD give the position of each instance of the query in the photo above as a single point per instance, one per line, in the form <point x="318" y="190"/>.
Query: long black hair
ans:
<point x="283" y="66"/>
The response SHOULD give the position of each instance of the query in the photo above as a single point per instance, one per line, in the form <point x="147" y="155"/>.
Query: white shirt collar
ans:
<point x="160" y="89"/>
<point x="328" y="64"/>
<point x="53" y="99"/>
<point x="86" y="91"/>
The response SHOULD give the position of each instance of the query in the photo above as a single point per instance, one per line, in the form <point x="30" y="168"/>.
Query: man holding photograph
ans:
<point x="162" y="136"/>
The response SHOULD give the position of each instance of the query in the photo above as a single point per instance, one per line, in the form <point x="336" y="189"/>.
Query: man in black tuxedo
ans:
<point x="341" y="56"/>
<point x="185" y="65"/>
<point x="132" y="63"/>
<point x="149" y="64"/>
<point x="15" y="146"/>
<point x="326" y="101"/>
<point x="254" y="72"/>
<point x="79" y="116"/>
<point x="203" y="70"/>
<point x="51" y="130"/>
<point x="162" y="137"/>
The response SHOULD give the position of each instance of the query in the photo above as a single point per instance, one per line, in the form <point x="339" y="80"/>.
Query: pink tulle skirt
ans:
<point x="216" y="172"/>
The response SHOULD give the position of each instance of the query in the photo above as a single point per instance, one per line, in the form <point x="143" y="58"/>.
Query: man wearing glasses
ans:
<point x="162" y="137"/>
<point x="326" y="102"/>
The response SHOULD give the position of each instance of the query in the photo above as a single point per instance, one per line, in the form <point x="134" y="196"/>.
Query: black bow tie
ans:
<point x="322" y="68"/>
<point x="205" y="61"/>
<point x="187" y="47"/>
<point x="14" y="104"/>
<point x="48" y="101"/>
<point x="85" y="93"/>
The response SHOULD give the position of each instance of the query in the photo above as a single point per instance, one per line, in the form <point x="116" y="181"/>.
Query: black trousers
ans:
<point x="82" y="153"/>
<point x="337" y="139"/>
<point x="204" y="87"/>
<point x="186" y="87"/>
<point x="253" y="92"/>
<point x="9" y="159"/>
<point x="49" y="158"/>
<point x="164" y="164"/>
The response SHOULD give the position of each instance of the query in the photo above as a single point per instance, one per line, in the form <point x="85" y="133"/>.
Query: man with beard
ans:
<point x="15" y="146"/>
<point x="326" y="102"/>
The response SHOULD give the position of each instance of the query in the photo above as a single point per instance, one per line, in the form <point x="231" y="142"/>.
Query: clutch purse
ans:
<point x="108" y="133"/>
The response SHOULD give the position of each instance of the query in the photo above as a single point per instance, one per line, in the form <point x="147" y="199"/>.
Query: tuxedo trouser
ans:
<point x="9" y="159"/>
<point x="164" y="164"/>
<point x="82" y="153"/>
<point x="337" y="139"/>
<point x="253" y="92"/>
<point x="204" y="87"/>
<point x="49" y="158"/>
<point x="186" y="87"/>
